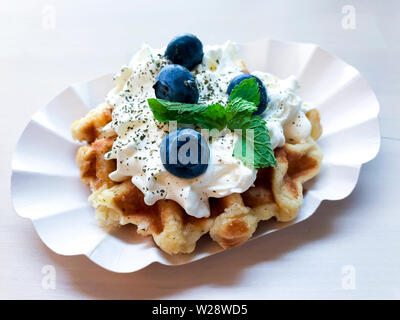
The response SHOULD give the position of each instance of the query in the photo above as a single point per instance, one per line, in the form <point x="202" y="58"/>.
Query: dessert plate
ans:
<point x="46" y="188"/>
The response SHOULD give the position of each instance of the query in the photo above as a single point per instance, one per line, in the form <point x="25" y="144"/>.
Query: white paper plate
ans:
<point x="45" y="182"/>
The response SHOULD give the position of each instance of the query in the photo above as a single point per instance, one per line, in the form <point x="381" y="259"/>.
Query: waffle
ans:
<point x="277" y="192"/>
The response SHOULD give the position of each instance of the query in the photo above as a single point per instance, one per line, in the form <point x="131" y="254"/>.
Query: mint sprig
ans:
<point x="253" y="146"/>
<point x="207" y="116"/>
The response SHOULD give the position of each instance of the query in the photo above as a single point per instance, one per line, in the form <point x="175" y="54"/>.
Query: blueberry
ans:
<point x="185" y="153"/>
<point x="264" y="99"/>
<point x="186" y="50"/>
<point x="176" y="83"/>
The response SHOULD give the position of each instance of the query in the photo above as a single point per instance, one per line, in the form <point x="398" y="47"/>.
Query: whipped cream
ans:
<point x="285" y="113"/>
<point x="137" y="146"/>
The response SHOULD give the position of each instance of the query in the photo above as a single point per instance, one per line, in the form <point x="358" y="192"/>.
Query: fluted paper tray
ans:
<point x="45" y="182"/>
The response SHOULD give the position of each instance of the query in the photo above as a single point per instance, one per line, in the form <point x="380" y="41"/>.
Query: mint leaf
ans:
<point x="207" y="116"/>
<point x="247" y="90"/>
<point x="165" y="111"/>
<point x="254" y="145"/>
<point x="237" y="110"/>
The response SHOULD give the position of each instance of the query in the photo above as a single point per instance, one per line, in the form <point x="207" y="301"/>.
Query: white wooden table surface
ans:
<point x="347" y="249"/>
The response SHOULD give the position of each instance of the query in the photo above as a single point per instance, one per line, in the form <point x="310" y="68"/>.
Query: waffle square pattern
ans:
<point x="277" y="192"/>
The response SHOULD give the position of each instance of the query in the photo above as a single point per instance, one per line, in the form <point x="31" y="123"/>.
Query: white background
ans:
<point x="47" y="45"/>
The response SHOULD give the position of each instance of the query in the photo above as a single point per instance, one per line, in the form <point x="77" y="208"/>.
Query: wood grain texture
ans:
<point x="303" y="261"/>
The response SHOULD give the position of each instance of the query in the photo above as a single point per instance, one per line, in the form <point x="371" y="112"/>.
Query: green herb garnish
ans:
<point x="253" y="147"/>
<point x="207" y="116"/>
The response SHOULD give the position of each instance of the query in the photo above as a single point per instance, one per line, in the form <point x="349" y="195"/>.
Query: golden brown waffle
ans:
<point x="277" y="192"/>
